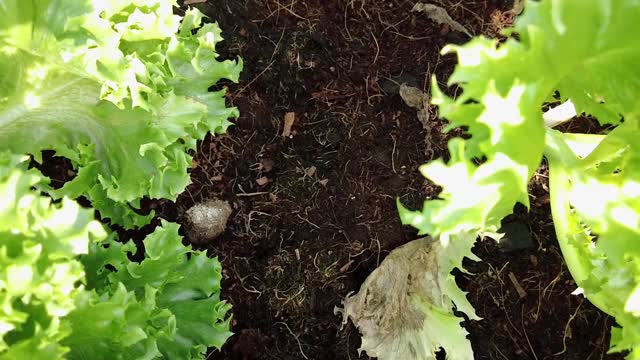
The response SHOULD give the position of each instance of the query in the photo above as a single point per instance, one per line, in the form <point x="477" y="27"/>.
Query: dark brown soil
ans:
<point x="326" y="216"/>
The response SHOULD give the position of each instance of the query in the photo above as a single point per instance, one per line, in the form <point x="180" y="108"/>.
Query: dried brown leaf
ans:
<point x="414" y="97"/>
<point x="311" y="171"/>
<point x="289" y="120"/>
<point x="440" y="16"/>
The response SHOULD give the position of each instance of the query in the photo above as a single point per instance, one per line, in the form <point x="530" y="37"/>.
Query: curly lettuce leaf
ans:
<point x="596" y="212"/>
<point x="591" y="53"/>
<point x="580" y="47"/>
<point x="117" y="325"/>
<point x="118" y="87"/>
<point x="166" y="306"/>
<point x="39" y="246"/>
<point x="69" y="291"/>
<point x="587" y="52"/>
<point x="487" y="173"/>
<point x="407" y="314"/>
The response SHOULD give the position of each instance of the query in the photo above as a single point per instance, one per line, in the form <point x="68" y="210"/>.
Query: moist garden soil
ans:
<point x="314" y="212"/>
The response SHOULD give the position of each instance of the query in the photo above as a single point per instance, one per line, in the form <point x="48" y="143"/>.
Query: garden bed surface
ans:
<point x="314" y="211"/>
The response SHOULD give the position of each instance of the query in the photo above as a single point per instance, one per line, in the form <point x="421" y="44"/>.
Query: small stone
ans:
<point x="206" y="221"/>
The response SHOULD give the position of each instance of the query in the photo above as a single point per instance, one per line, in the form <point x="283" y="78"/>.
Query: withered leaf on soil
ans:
<point x="414" y="97"/>
<point x="440" y="16"/>
<point x="418" y="100"/>
<point x="289" y="120"/>
<point x="404" y="309"/>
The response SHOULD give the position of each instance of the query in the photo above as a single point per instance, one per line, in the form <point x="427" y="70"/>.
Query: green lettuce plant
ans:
<point x="586" y="52"/>
<point x="40" y="268"/>
<point x="69" y="291"/>
<point x="120" y="88"/>
<point x="167" y="306"/>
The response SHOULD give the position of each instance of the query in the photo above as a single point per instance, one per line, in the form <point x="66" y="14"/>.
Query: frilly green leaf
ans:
<point x="120" y="88"/>
<point x="166" y="306"/>
<point x="596" y="211"/>
<point x="40" y="243"/>
<point x="587" y="52"/>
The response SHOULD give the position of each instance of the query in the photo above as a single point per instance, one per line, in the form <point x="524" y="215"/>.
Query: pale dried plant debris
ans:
<point x="262" y="181"/>
<point x="404" y="308"/>
<point x="266" y="165"/>
<point x="498" y="20"/>
<point x="440" y="16"/>
<point x="289" y="120"/>
<point x="207" y="220"/>
<point x="418" y="100"/>
<point x="311" y="171"/>
<point x="516" y="284"/>
<point x="518" y="6"/>
<point x="413" y="97"/>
